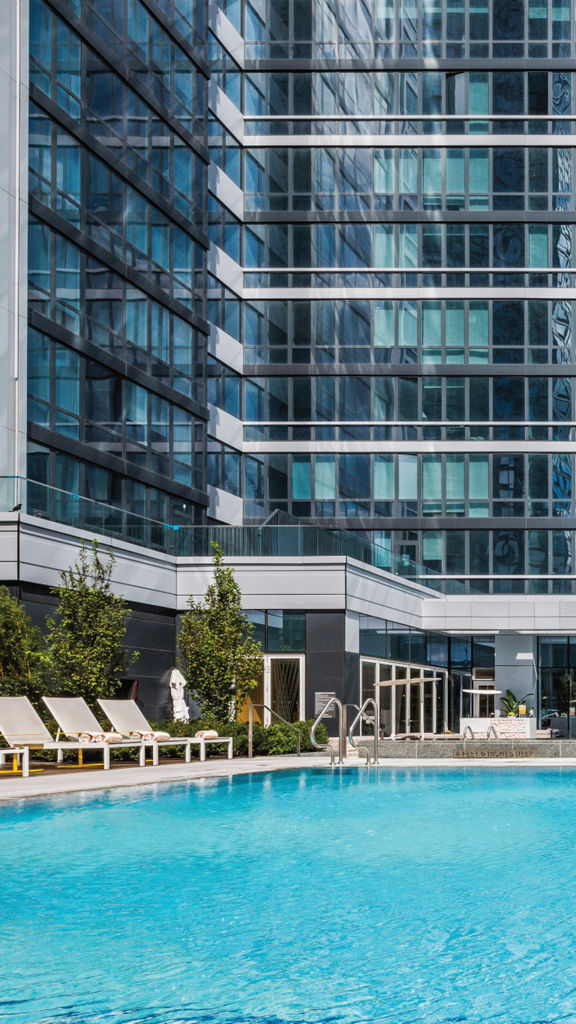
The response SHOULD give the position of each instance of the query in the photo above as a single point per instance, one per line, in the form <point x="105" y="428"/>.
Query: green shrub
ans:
<point x="266" y="741"/>
<point x="304" y="729"/>
<point x="277" y="738"/>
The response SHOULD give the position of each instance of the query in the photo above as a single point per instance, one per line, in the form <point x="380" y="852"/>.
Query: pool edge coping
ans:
<point x="129" y="778"/>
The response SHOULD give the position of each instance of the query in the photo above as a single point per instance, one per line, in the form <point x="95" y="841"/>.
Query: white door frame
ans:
<point x="401" y="672"/>
<point x="282" y="656"/>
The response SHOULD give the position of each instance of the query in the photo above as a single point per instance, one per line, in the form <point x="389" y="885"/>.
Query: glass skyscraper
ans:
<point x="311" y="260"/>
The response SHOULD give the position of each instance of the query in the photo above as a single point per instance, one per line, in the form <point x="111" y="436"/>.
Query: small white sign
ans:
<point x="320" y="702"/>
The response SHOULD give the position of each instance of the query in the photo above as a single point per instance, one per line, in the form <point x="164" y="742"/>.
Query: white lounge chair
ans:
<point x="22" y="727"/>
<point x="20" y="756"/>
<point x="128" y="719"/>
<point x="78" y="722"/>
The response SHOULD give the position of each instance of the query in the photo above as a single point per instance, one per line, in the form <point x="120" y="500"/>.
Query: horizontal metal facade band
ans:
<point x="488" y="292"/>
<point x="132" y="79"/>
<point x="361" y="141"/>
<point x="407" y="447"/>
<point x="492" y="576"/>
<point x="108" y="157"/>
<point x="414" y="217"/>
<point x="299" y="64"/>
<point x="120" y="366"/>
<point x="391" y="118"/>
<point x="409" y="423"/>
<point x="416" y="523"/>
<point x="409" y="270"/>
<point x="111" y="462"/>
<point x="91" y="248"/>
<point x="198" y="59"/>
<point x="409" y="370"/>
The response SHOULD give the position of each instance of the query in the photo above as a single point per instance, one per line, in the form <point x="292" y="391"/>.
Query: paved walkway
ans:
<point x="86" y="780"/>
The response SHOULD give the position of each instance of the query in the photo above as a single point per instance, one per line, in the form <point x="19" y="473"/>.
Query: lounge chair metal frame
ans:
<point x="127" y="718"/>
<point x="69" y="712"/>
<point x="24" y="730"/>
<point x="17" y="754"/>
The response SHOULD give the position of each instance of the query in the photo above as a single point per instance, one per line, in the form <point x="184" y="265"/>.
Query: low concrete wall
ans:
<point x="476" y="749"/>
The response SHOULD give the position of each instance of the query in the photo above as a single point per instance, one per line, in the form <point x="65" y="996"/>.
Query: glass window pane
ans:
<point x="479" y="171"/>
<point x="407" y="477"/>
<point x="384" y="245"/>
<point x="538" y="245"/>
<point x="432" y="477"/>
<point x="431" y="323"/>
<point x="431" y="171"/>
<point x="384" y="176"/>
<point x="301" y="490"/>
<point x="383" y="477"/>
<point x="454" y="170"/>
<point x="325" y="478"/>
<point x="384" y="324"/>
<point x="478" y="477"/>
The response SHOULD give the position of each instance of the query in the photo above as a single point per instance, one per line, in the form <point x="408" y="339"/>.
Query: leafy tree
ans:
<point x="23" y="659"/>
<point x="85" y="638"/>
<point x="221" y="661"/>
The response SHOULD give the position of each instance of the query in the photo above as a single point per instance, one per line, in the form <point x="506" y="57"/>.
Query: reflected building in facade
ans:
<point x="408" y="294"/>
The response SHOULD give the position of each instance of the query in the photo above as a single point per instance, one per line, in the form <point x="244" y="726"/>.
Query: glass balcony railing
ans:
<point x="290" y="541"/>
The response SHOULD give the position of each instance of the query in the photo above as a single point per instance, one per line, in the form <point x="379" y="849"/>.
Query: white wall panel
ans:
<point x="225" y="348"/>
<point x="225" y="507"/>
<point x="46" y="549"/>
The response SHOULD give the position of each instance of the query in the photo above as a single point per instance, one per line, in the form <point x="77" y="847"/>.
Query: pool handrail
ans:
<point x="364" y="746"/>
<point x="341" y="732"/>
<point x="267" y="707"/>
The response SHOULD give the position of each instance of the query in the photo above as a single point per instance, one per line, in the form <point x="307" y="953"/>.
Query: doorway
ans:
<point x="281" y="687"/>
<point x="412" y="699"/>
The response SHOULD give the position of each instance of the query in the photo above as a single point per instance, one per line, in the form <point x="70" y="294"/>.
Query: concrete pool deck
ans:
<point x="93" y="780"/>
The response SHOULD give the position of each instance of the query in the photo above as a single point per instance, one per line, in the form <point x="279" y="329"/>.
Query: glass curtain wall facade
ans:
<point x="118" y="253"/>
<point x="311" y="258"/>
<point x="408" y="299"/>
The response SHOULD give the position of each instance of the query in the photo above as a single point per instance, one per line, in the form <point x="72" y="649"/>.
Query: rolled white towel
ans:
<point x="150" y="734"/>
<point x="99" y="737"/>
<point x="206" y="734"/>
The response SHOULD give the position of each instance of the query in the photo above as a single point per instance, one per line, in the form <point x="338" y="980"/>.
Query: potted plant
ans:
<point x="512" y="703"/>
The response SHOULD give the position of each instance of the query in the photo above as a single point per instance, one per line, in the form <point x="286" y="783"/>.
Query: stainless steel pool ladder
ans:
<point x="341" y="731"/>
<point x="364" y="746"/>
<point x="466" y="730"/>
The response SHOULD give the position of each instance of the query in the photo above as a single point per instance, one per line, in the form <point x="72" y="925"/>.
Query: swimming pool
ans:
<point x="412" y="895"/>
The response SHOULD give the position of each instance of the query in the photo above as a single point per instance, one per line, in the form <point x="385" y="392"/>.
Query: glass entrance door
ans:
<point x="280" y="687"/>
<point x="284" y="687"/>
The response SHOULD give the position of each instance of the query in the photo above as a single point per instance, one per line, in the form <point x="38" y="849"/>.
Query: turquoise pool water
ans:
<point x="408" y="896"/>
